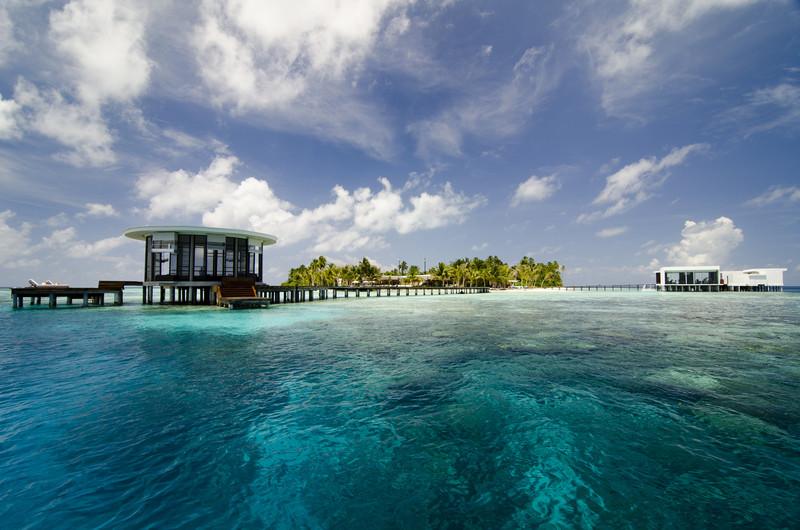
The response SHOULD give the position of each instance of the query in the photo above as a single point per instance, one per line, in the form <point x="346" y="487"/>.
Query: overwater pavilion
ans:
<point x="709" y="278"/>
<point x="187" y="262"/>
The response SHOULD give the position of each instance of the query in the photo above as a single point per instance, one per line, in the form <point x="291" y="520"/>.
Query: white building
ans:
<point x="709" y="278"/>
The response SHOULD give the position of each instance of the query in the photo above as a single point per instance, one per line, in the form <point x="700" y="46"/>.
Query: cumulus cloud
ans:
<point x="776" y="194"/>
<point x="99" y="46"/>
<point x="705" y="243"/>
<point x="187" y="193"/>
<point x="350" y="220"/>
<point x="104" y="43"/>
<point x="611" y="232"/>
<point x="643" y="49"/>
<point x="98" y="210"/>
<point x="635" y="183"/>
<point x="298" y="65"/>
<point x="535" y="189"/>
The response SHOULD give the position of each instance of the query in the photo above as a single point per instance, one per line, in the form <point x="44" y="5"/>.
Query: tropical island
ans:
<point x="463" y="272"/>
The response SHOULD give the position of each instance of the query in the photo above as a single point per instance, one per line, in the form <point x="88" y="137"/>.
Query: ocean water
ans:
<point x="503" y="410"/>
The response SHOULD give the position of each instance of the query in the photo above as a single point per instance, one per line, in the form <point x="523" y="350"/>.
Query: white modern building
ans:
<point x="709" y="278"/>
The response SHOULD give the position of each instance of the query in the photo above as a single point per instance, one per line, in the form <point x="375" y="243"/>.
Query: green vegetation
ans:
<point x="475" y="272"/>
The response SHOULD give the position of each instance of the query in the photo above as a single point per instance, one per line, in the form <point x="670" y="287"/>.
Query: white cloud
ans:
<point x="776" y="194"/>
<point x="7" y="41"/>
<point x="103" y="41"/>
<point x="611" y="232"/>
<point x="535" y="189"/>
<point x="297" y="66"/>
<point x="635" y="183"/>
<point x="349" y="221"/>
<point x="776" y="107"/>
<point x="84" y="250"/>
<point x="180" y="192"/>
<point x="22" y="253"/>
<point x="705" y="243"/>
<point x="98" y="210"/>
<point x="496" y="111"/>
<point x="99" y="57"/>
<point x="376" y="212"/>
<point x="436" y="210"/>
<point x="76" y="126"/>
<point x="644" y="48"/>
<point x="8" y="121"/>
<point x="15" y="245"/>
<point x="65" y="240"/>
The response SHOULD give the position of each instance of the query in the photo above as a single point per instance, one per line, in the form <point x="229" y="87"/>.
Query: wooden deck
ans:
<point x="89" y="296"/>
<point x="239" y="293"/>
<point x="297" y="294"/>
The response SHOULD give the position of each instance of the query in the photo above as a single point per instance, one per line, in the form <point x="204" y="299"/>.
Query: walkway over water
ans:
<point x="208" y="294"/>
<point x="294" y="294"/>
<point x="89" y="296"/>
<point x="615" y="287"/>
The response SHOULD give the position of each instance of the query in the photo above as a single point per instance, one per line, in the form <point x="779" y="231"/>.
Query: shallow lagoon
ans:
<point x="637" y="410"/>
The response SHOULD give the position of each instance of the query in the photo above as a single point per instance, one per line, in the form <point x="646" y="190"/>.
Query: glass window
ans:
<point x="230" y="256"/>
<point x="214" y="255"/>
<point x="163" y="258"/>
<point x="241" y="255"/>
<point x="199" y="257"/>
<point x="184" y="251"/>
<point x="254" y="260"/>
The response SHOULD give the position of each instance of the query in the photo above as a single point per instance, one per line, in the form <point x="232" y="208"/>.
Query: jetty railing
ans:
<point x="295" y="294"/>
<point x="89" y="296"/>
<point x="612" y="287"/>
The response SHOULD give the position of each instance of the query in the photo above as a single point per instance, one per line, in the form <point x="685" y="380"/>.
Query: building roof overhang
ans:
<point x="699" y="268"/>
<point x="140" y="233"/>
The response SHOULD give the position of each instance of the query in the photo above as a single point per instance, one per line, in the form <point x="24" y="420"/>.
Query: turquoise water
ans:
<point x="557" y="410"/>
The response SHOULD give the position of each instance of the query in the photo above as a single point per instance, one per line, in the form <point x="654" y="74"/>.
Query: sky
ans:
<point x="615" y="137"/>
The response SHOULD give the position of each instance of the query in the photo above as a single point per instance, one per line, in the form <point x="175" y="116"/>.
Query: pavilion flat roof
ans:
<point x="141" y="232"/>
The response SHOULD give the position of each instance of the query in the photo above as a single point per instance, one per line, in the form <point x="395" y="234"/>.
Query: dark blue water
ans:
<point x="559" y="410"/>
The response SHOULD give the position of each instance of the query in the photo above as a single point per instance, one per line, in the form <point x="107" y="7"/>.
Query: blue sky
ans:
<point x="615" y="137"/>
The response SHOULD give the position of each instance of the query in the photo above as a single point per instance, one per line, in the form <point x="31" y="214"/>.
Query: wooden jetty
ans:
<point x="89" y="296"/>
<point x="296" y="294"/>
<point x="614" y="287"/>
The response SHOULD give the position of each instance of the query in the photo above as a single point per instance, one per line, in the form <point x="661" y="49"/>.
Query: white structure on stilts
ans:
<point x="709" y="278"/>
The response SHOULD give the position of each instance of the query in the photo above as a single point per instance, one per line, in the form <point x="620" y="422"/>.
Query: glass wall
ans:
<point x="691" y="280"/>
<point x="186" y="257"/>
<point x="200" y="249"/>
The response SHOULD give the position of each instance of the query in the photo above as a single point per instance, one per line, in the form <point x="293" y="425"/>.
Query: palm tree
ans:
<point x="440" y="272"/>
<point x="413" y="275"/>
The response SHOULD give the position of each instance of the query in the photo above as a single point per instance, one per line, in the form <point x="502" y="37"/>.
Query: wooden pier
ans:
<point x="297" y="294"/>
<point x="89" y="296"/>
<point x="614" y="287"/>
